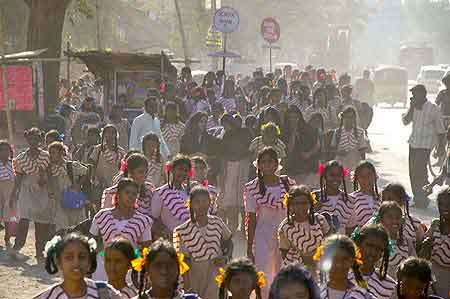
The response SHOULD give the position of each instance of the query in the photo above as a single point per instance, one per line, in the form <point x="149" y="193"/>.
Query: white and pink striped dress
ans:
<point x="336" y="205"/>
<point x="57" y="292"/>
<point x="440" y="259"/>
<point x="364" y="206"/>
<point x="128" y="292"/>
<point x="172" y="134"/>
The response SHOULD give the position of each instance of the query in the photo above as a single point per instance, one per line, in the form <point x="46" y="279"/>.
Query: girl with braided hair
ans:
<point x="294" y="282"/>
<point x="156" y="163"/>
<point x="205" y="241"/>
<point x="302" y="231"/>
<point x="264" y="207"/>
<point x="373" y="241"/>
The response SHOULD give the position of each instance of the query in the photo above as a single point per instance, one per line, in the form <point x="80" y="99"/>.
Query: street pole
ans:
<point x="6" y="102"/>
<point x="270" y="54"/>
<point x="224" y="52"/>
<point x="68" y="67"/>
<point x="183" y="34"/>
<point x="97" y="14"/>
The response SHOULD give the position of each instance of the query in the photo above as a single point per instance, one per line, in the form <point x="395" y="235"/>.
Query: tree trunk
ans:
<point x="187" y="59"/>
<point x="45" y="27"/>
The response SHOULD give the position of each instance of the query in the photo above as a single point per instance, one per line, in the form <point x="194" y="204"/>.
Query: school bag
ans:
<point x="72" y="199"/>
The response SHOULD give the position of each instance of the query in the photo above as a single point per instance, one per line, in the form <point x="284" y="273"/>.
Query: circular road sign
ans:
<point x="270" y="30"/>
<point x="226" y="20"/>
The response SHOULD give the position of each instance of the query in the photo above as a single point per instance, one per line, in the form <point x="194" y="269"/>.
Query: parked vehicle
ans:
<point x="431" y="76"/>
<point x="391" y="85"/>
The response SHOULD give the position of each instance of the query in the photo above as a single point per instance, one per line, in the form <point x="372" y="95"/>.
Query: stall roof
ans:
<point x="99" y="62"/>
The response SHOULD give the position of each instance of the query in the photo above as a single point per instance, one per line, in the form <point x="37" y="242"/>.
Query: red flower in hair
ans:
<point x="344" y="172"/>
<point x="168" y="167"/>
<point x="321" y="169"/>
<point x="205" y="183"/>
<point x="114" y="200"/>
<point x="162" y="88"/>
<point x="191" y="173"/>
<point x="124" y="165"/>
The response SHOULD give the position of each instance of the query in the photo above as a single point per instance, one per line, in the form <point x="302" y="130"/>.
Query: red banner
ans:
<point x="20" y="87"/>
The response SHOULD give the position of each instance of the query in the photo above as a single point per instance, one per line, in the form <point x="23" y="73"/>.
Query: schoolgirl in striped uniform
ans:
<point x="75" y="282"/>
<point x="206" y="242"/>
<point x="52" y="136"/>
<point x="123" y="220"/>
<point x="366" y="200"/>
<point x="135" y="167"/>
<point x="31" y="191"/>
<point x="172" y="128"/>
<point x="265" y="210"/>
<point x="156" y="163"/>
<point x="7" y="179"/>
<point x="373" y="241"/>
<point x="227" y="99"/>
<point x="335" y="204"/>
<point x="390" y="215"/>
<point x="201" y="169"/>
<point x="337" y="257"/>
<point x="270" y="136"/>
<point x="303" y="231"/>
<point x="118" y="256"/>
<point x="106" y="156"/>
<point x="436" y="246"/>
<point x="413" y="227"/>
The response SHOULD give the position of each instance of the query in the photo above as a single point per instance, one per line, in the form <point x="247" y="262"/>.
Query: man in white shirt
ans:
<point x="147" y="122"/>
<point x="427" y="132"/>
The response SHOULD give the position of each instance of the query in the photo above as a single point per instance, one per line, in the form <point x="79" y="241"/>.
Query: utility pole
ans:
<point x="97" y="18"/>
<point x="187" y="61"/>
<point x="6" y="100"/>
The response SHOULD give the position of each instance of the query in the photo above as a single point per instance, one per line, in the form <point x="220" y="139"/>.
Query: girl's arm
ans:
<point x="251" y="234"/>
<point x="16" y="189"/>
<point x="283" y="244"/>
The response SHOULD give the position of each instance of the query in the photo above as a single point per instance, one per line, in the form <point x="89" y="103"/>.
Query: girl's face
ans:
<point x="34" y="140"/>
<point x="300" y="205"/>
<point x="4" y="153"/>
<point x="391" y="220"/>
<point x="200" y="205"/>
<point x="180" y="172"/>
<point x="349" y="120"/>
<point x="334" y="177"/>
<point x="372" y="249"/>
<point x="74" y="261"/>
<point x="267" y="165"/>
<point x="150" y="147"/>
<point x="200" y="171"/>
<point x="444" y="208"/>
<point x="116" y="265"/>
<point x="294" y="290"/>
<point x="412" y="288"/>
<point x="366" y="178"/>
<point x="138" y="174"/>
<point x="56" y="155"/>
<point x="341" y="263"/>
<point x="391" y="196"/>
<point x="109" y="135"/>
<point x="202" y="124"/>
<point x="127" y="198"/>
<point x="163" y="271"/>
<point x="241" y="285"/>
<point x="171" y="115"/>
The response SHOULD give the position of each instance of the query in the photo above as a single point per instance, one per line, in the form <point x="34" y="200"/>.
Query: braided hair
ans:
<point x="379" y="232"/>
<point x="389" y="206"/>
<point x="179" y="159"/>
<point x="399" y="191"/>
<point x="323" y="179"/>
<point x="272" y="153"/>
<point x="341" y="124"/>
<point x="152" y="137"/>
<point x="366" y="164"/>
<point x="195" y="192"/>
<point x="235" y="267"/>
<point x="294" y="193"/>
<point x="415" y="268"/>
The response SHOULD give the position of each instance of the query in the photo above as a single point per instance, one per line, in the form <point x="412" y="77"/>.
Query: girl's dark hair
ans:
<point x="58" y="145"/>
<point x="54" y="134"/>
<point x="5" y="143"/>
<point x="294" y="273"/>
<point x="389" y="206"/>
<point x="179" y="159"/>
<point x="323" y="176"/>
<point x="124" y="246"/>
<point x="366" y="164"/>
<point x="272" y="153"/>
<point x="241" y="265"/>
<point x="226" y="117"/>
<point x="32" y="132"/>
<point x="296" y="192"/>
<point x="320" y="117"/>
<point x="197" y="191"/>
<point x="398" y="190"/>
<point x="269" y="110"/>
<point x="171" y="106"/>
<point x="54" y="253"/>
<point x="416" y="268"/>
<point x="192" y="123"/>
<point x="443" y="195"/>
<point x="116" y="139"/>
<point x="161" y="245"/>
<point x="341" y="124"/>
<point x="123" y="183"/>
<point x="376" y="231"/>
<point x="135" y="161"/>
<point x="301" y="126"/>
<point x="335" y="242"/>
<point x="155" y="138"/>
<point x="93" y="130"/>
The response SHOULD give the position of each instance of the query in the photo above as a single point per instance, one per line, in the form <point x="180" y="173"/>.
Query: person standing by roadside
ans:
<point x="427" y="131"/>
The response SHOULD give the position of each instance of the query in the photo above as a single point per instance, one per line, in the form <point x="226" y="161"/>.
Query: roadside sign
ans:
<point x="226" y="20"/>
<point x="214" y="38"/>
<point x="270" y="30"/>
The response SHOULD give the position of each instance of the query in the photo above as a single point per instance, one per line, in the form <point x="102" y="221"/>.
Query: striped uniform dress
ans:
<point x="7" y="178"/>
<point x="412" y="229"/>
<point x="228" y="104"/>
<point x="440" y="259"/>
<point x="169" y="204"/>
<point x="106" y="162"/>
<point x="364" y="206"/>
<point x="354" y="292"/>
<point x="202" y="245"/>
<point x="402" y="252"/>
<point x="378" y="288"/>
<point x="257" y="145"/>
<point x="302" y="239"/>
<point x="337" y="206"/>
<point x="128" y="292"/>
<point x="144" y="205"/>
<point x="270" y="212"/>
<point x="155" y="171"/>
<point x="172" y="134"/>
<point x="93" y="292"/>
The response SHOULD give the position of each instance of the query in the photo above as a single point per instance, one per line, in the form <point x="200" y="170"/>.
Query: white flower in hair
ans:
<point x="92" y="244"/>
<point x="51" y="244"/>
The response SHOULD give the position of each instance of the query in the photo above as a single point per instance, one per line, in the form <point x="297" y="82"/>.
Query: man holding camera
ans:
<point x="427" y="131"/>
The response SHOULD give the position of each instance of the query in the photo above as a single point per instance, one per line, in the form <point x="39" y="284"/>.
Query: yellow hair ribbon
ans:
<point x="277" y="128"/>
<point x="260" y="280"/>
<point x="358" y="257"/>
<point x="183" y="266"/>
<point x="313" y="198"/>
<point x="139" y="263"/>
<point x="286" y="199"/>
<point x="220" y="278"/>
<point x="188" y="204"/>
<point x="340" y="115"/>
<point x="318" y="254"/>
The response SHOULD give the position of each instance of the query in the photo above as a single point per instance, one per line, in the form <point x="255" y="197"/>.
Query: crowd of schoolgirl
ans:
<point x="163" y="227"/>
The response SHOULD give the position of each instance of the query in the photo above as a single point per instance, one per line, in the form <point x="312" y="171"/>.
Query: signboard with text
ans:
<point x="20" y="87"/>
<point x="226" y="20"/>
<point x="270" y="30"/>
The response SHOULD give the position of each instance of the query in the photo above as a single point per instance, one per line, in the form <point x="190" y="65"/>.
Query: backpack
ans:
<point x="72" y="199"/>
